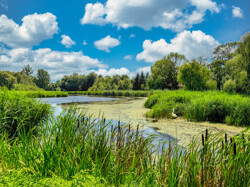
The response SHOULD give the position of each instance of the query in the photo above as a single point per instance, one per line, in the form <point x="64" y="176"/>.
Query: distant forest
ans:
<point x="228" y="71"/>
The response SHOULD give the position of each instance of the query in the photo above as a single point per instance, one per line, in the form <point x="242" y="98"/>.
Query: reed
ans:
<point x="119" y="155"/>
<point x="211" y="106"/>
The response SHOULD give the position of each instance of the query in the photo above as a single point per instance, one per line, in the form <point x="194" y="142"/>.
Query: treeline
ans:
<point x="229" y="71"/>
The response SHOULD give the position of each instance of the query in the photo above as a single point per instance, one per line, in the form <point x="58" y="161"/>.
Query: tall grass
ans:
<point x="20" y="114"/>
<point x="40" y="94"/>
<point x="127" y="93"/>
<point x="119" y="155"/>
<point x="201" y="106"/>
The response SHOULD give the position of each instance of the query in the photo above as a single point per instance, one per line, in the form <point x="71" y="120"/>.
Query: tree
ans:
<point x="136" y="84"/>
<point x="125" y="84"/>
<point x="27" y="70"/>
<point x="193" y="75"/>
<point x="218" y="70"/>
<point x="164" y="74"/>
<point x="142" y="81"/>
<point x="244" y="51"/>
<point x="43" y="79"/>
<point x="225" y="51"/>
<point x="7" y="80"/>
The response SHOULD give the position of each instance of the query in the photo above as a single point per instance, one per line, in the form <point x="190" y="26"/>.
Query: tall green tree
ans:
<point x="225" y="51"/>
<point x="218" y="70"/>
<point x="193" y="75"/>
<point x="43" y="79"/>
<point x="136" y="84"/>
<point x="27" y="70"/>
<point x="142" y="81"/>
<point x="164" y="74"/>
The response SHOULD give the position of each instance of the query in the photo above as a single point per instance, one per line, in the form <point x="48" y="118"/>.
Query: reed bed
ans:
<point x="211" y="106"/>
<point x="41" y="94"/>
<point x="73" y="144"/>
<point x="115" y="93"/>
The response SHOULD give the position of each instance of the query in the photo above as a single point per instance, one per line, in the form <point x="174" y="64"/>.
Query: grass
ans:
<point x="72" y="150"/>
<point x="127" y="93"/>
<point x="40" y="94"/>
<point x="20" y="114"/>
<point x="213" y="106"/>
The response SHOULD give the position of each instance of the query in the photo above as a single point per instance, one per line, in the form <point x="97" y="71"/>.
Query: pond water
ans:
<point x="58" y="102"/>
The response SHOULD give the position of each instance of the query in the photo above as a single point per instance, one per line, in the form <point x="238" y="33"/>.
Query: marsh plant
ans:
<point x="210" y="106"/>
<point x="73" y="144"/>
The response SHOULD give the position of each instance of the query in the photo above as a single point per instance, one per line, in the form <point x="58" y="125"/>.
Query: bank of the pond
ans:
<point x="115" y="93"/>
<point x="131" y="110"/>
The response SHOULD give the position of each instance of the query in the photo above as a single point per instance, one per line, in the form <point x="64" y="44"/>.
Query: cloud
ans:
<point x="237" y="12"/>
<point x="66" y="41"/>
<point x="191" y="44"/>
<point x="146" y="69"/>
<point x="57" y="63"/>
<point x="34" y="29"/>
<point x="113" y="71"/>
<point x="132" y="36"/>
<point x="167" y="14"/>
<point x="84" y="42"/>
<point x="106" y="43"/>
<point x="128" y="57"/>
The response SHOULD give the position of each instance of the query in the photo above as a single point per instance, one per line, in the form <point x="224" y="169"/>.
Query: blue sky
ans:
<point x="121" y="36"/>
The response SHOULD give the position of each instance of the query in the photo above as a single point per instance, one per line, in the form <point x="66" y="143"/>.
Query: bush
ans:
<point x="211" y="85"/>
<point x="229" y="86"/>
<point x="20" y="114"/>
<point x="211" y="106"/>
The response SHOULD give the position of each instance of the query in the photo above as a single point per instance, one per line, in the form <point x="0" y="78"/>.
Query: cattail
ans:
<point x="104" y="120"/>
<point x="202" y="137"/>
<point x="129" y="128"/>
<point x="137" y="130"/>
<point x="206" y="134"/>
<point x="231" y="141"/>
<point x="225" y="138"/>
<point x="234" y="148"/>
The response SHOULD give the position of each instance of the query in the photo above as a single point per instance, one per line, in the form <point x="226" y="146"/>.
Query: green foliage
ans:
<point x="7" y="80"/>
<point x="218" y="70"/>
<point x="201" y="106"/>
<point x="127" y="93"/>
<point x="43" y="79"/>
<point x="163" y="74"/>
<point x="193" y="75"/>
<point x="27" y="70"/>
<point x="230" y="86"/>
<point x="25" y="178"/>
<point x="70" y="151"/>
<point x="41" y="94"/>
<point x="25" y="87"/>
<point x="19" y="114"/>
<point x="211" y="85"/>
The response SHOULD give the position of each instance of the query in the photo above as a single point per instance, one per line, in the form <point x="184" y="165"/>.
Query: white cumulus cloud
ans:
<point x="128" y="57"/>
<point x="66" y="41"/>
<point x="34" y="29"/>
<point x="237" y="12"/>
<point x="57" y="63"/>
<point x="113" y="71"/>
<point x="167" y="14"/>
<point x="146" y="69"/>
<point x="191" y="44"/>
<point x="106" y="43"/>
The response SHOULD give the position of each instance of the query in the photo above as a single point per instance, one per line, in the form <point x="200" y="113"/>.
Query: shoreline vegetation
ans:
<point x="73" y="150"/>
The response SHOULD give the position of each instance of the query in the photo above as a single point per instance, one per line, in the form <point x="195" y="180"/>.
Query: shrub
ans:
<point x="20" y="114"/>
<point x="230" y="86"/>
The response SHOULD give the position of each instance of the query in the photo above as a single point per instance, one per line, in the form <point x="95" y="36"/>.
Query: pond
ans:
<point x="59" y="103"/>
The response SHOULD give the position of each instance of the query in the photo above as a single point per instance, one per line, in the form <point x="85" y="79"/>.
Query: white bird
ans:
<point x="173" y="114"/>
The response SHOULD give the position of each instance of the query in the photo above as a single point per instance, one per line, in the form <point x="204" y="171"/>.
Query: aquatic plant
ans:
<point x="211" y="106"/>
